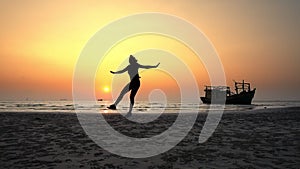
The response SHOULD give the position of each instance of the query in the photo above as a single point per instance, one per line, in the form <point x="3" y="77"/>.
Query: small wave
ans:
<point x="30" y="105"/>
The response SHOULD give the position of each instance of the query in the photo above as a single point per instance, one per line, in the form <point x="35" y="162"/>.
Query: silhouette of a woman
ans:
<point x="134" y="84"/>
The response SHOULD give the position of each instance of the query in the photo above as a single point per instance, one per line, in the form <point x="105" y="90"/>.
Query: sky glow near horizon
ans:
<point x="40" y="41"/>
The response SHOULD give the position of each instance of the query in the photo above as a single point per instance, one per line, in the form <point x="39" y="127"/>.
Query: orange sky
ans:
<point x="40" y="41"/>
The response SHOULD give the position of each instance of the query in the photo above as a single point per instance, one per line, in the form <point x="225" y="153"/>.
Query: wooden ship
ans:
<point x="243" y="94"/>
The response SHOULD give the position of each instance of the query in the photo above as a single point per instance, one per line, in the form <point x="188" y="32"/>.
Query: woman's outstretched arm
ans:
<point x="148" y="66"/>
<point x="120" y="71"/>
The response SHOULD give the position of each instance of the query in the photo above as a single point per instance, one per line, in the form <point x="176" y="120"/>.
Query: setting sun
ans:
<point x="106" y="89"/>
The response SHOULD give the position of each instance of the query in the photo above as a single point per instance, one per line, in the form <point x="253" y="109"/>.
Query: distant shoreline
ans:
<point x="258" y="110"/>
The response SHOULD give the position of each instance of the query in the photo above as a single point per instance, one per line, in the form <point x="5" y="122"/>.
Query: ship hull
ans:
<point x="241" y="98"/>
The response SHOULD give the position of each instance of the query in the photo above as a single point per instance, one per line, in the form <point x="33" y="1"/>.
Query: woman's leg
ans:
<point x="132" y="95"/>
<point x="123" y="92"/>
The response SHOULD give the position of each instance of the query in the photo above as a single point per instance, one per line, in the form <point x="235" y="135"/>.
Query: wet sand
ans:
<point x="267" y="138"/>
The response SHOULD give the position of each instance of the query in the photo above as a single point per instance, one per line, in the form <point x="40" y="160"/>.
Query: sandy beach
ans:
<point x="265" y="138"/>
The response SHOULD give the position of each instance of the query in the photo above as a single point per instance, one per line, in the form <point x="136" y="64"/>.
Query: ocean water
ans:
<point x="139" y="107"/>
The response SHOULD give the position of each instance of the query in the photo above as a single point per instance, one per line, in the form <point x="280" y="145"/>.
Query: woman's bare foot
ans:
<point x="112" y="107"/>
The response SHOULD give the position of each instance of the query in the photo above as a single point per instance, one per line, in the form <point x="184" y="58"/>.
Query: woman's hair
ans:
<point x="132" y="59"/>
